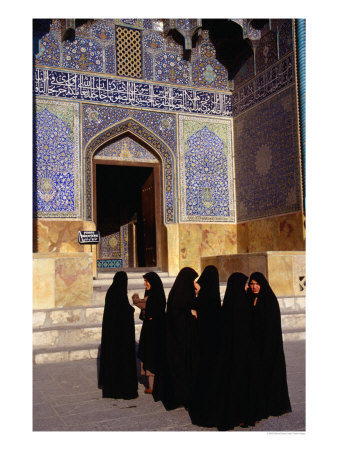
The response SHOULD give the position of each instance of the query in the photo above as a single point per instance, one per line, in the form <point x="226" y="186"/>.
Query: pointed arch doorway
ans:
<point x="127" y="206"/>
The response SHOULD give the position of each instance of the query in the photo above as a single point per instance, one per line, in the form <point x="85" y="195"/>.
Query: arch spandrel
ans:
<point x="161" y="150"/>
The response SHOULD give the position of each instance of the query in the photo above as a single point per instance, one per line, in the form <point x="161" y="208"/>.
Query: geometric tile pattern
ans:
<point x="267" y="158"/>
<point x="56" y="160"/>
<point x="128" y="51"/>
<point x="206" y="171"/>
<point x="109" y="263"/>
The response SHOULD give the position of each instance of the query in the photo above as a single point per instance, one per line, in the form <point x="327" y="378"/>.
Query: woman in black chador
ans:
<point x="208" y="321"/>
<point x="175" y="381"/>
<point x="269" y="389"/>
<point x="224" y="402"/>
<point x="118" y="374"/>
<point x="208" y="315"/>
<point x="152" y="338"/>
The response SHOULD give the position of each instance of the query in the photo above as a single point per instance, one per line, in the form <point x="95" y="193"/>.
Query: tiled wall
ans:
<point x="267" y="158"/>
<point x="95" y="49"/>
<point x="80" y="106"/>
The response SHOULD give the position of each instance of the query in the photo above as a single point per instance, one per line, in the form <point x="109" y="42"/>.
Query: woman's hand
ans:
<point x="135" y="297"/>
<point x="194" y="313"/>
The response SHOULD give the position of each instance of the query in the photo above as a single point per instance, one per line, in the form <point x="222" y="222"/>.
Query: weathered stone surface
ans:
<point x="64" y="317"/>
<point x="293" y="321"/>
<point x="51" y="357"/>
<point x="79" y="354"/>
<point x="48" y="338"/>
<point x="94" y="315"/>
<point x="39" y="318"/>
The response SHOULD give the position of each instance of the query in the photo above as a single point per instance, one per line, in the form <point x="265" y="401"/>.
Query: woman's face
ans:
<point x="197" y="287"/>
<point x="147" y="285"/>
<point x="255" y="287"/>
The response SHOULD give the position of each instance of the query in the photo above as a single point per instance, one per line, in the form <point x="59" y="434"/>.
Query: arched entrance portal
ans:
<point x="127" y="207"/>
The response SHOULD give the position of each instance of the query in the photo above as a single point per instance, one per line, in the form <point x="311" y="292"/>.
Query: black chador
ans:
<point x="223" y="402"/>
<point x="118" y="373"/>
<point x="269" y="389"/>
<point x="152" y="338"/>
<point x="173" y="385"/>
<point x="235" y="354"/>
<point x="208" y="318"/>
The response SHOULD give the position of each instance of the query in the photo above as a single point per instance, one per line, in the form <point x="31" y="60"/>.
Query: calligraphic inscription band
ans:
<point x="69" y="85"/>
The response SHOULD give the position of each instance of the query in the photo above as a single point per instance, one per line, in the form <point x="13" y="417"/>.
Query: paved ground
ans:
<point x="66" y="398"/>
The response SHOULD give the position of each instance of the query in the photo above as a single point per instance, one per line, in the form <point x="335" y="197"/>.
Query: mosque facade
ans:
<point x="179" y="147"/>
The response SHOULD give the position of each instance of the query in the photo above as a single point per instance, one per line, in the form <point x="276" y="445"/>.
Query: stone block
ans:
<point x="293" y="321"/>
<point x="94" y="315"/>
<point x="65" y="317"/>
<point x="294" y="336"/>
<point x="43" y="283"/>
<point x="42" y="358"/>
<point x="79" y="336"/>
<point x="77" y="355"/>
<point x="59" y="236"/>
<point x="46" y="338"/>
<point x="73" y="280"/>
<point x="62" y="279"/>
<point x="278" y="268"/>
<point x="39" y="318"/>
<point x="292" y="304"/>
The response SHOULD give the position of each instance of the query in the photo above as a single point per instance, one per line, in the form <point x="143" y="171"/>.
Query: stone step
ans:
<point x="101" y="286"/>
<point x="75" y="333"/>
<point x="131" y="275"/>
<point x="45" y="354"/>
<point x="291" y="308"/>
<point x="133" y="283"/>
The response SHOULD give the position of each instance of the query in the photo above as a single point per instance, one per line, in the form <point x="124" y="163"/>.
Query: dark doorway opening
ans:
<point x="125" y="194"/>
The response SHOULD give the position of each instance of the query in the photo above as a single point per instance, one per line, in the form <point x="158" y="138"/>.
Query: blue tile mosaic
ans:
<point x="56" y="160"/>
<point x="49" y="51"/>
<point x="97" y="118"/>
<point x="206" y="172"/>
<point x="103" y="31"/>
<point x="171" y="68"/>
<point x="94" y="50"/>
<point x="110" y="246"/>
<point x="209" y="73"/>
<point x="133" y="124"/>
<point x="83" y="54"/>
<point x="268" y="159"/>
